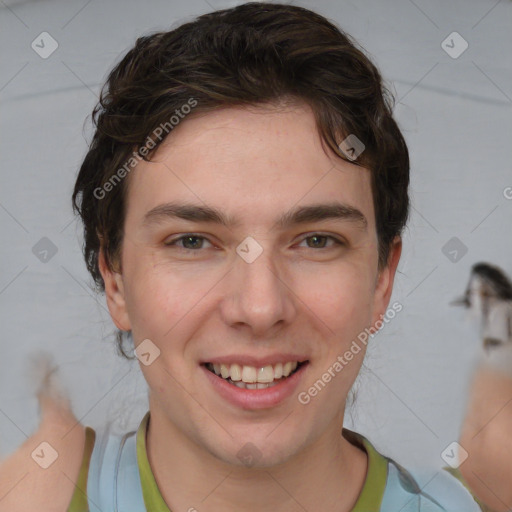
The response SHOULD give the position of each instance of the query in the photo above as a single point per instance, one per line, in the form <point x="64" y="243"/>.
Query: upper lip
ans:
<point x="258" y="362"/>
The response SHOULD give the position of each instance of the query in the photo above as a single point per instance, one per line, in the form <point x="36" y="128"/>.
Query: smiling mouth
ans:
<point x="251" y="377"/>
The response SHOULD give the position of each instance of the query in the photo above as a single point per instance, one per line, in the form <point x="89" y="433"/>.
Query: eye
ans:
<point x="190" y="241"/>
<point x="319" y="241"/>
<point x="194" y="242"/>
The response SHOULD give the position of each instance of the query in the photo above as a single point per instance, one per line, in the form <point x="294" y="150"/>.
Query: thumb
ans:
<point x="52" y="398"/>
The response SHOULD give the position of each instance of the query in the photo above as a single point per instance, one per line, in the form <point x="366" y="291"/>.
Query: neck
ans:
<point x="329" y="474"/>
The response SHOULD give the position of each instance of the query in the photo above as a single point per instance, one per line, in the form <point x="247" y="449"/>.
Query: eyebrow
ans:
<point x="299" y="215"/>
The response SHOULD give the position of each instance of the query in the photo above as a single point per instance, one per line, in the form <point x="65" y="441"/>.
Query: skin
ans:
<point x="24" y="485"/>
<point x="302" y="295"/>
<point x="254" y="165"/>
<point x="485" y="436"/>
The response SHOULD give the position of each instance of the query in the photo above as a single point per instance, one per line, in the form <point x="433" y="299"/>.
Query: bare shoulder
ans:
<point x="41" y="473"/>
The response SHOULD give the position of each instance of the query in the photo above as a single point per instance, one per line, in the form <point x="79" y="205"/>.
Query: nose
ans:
<point x="258" y="296"/>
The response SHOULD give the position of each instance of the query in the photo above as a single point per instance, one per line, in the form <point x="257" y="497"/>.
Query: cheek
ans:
<point x="162" y="299"/>
<point x="155" y="299"/>
<point x="342" y="299"/>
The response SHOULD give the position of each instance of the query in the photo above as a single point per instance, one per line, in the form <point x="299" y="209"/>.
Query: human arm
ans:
<point x="486" y="436"/>
<point x="24" y="484"/>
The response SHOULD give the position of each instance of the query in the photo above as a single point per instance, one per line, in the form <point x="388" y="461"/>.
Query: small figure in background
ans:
<point x="485" y="433"/>
<point x="489" y="298"/>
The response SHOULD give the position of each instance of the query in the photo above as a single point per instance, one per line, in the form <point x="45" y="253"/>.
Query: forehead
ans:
<point x="255" y="162"/>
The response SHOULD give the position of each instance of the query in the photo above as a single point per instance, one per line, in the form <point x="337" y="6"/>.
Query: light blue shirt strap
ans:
<point x="425" y="491"/>
<point x="114" y="483"/>
<point x="450" y="492"/>
<point x="128" y="496"/>
<point x="455" y="472"/>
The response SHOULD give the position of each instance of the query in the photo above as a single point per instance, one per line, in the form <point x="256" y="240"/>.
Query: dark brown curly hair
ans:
<point x="252" y="54"/>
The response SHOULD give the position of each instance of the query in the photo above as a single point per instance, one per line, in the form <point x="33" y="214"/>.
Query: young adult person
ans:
<point x="243" y="200"/>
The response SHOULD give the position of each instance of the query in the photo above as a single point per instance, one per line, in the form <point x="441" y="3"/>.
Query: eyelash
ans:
<point x="173" y="243"/>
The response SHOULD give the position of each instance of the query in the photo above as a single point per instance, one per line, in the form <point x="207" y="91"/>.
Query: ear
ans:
<point x="114" y="293"/>
<point x="385" y="279"/>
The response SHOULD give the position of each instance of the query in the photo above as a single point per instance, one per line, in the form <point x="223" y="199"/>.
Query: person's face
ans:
<point x="304" y="299"/>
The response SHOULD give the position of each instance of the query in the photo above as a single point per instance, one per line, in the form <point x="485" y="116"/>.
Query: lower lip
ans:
<point x="256" y="398"/>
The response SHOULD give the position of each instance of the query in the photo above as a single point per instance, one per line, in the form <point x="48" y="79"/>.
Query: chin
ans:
<point x="258" y="451"/>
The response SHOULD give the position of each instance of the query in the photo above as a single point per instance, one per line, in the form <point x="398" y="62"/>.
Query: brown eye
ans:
<point x="318" y="241"/>
<point x="188" y="242"/>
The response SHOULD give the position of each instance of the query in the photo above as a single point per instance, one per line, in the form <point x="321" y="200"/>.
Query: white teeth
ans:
<point x="257" y="385"/>
<point x="255" y="378"/>
<point x="249" y="374"/>
<point x="266" y="374"/>
<point x="287" y="369"/>
<point x="224" y="371"/>
<point x="235" y="372"/>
